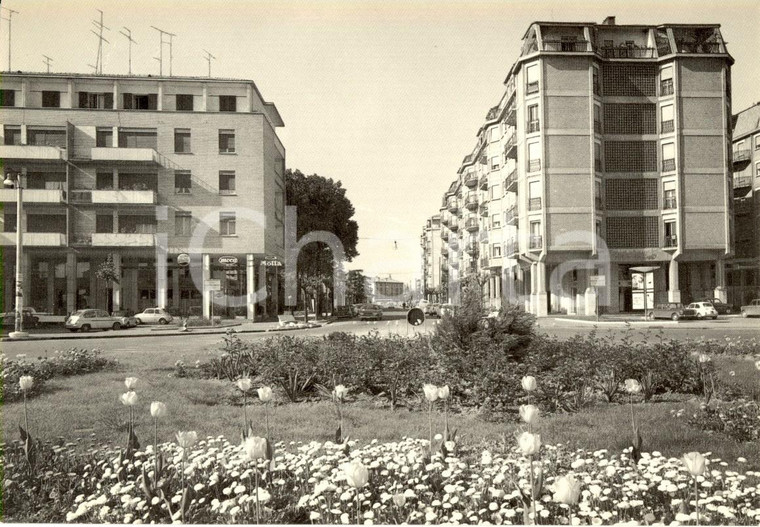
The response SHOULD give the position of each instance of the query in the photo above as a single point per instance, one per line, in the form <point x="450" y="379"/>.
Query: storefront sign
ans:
<point x="597" y="281"/>
<point x="183" y="259"/>
<point x="271" y="263"/>
<point x="228" y="260"/>
<point x="212" y="285"/>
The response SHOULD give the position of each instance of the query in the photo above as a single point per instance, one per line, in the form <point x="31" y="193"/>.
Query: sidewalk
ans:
<point x="637" y="320"/>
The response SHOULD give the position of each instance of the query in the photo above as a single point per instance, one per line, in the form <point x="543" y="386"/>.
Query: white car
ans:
<point x="86" y="319"/>
<point x="703" y="310"/>
<point x="154" y="315"/>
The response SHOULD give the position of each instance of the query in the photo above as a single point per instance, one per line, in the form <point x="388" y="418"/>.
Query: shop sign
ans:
<point x="228" y="260"/>
<point x="271" y="263"/>
<point x="183" y="259"/>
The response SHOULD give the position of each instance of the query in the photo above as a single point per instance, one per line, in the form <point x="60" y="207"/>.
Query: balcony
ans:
<point x="510" y="215"/>
<point x="598" y="165"/>
<point x="454" y="227"/>
<point x="125" y="155"/>
<point x="121" y="239"/>
<point x="511" y="248"/>
<point x="484" y="262"/>
<point x="511" y="117"/>
<point x="534" y="165"/>
<point x="471" y="179"/>
<point x="453" y="205"/>
<point x="666" y="87"/>
<point x="743" y="206"/>
<point x="114" y="197"/>
<point x="668" y="165"/>
<point x="671" y="241"/>
<point x="535" y="242"/>
<point x="484" y="209"/>
<point x="531" y="87"/>
<point x="472" y="224"/>
<point x="483" y="183"/>
<point x="35" y="239"/>
<point x="483" y="237"/>
<point x="471" y="248"/>
<point x="598" y="203"/>
<point x="597" y="127"/>
<point x="444" y="250"/>
<point x="510" y="183"/>
<point x="445" y="235"/>
<point x="33" y="195"/>
<point x="742" y="155"/>
<point x="669" y="203"/>
<point x="471" y="202"/>
<point x="628" y="52"/>
<point x="667" y="127"/>
<point x="742" y="181"/>
<point x="566" y="46"/>
<point x="33" y="153"/>
<point x="510" y="147"/>
<point x="534" y="204"/>
<point x="534" y="126"/>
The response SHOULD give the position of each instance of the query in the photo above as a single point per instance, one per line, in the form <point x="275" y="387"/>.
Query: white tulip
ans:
<point x="265" y="394"/>
<point x="443" y="393"/>
<point x="399" y="500"/>
<point x="529" y="413"/>
<point x="130" y="383"/>
<point x="187" y="439"/>
<point x="26" y="382"/>
<point x="431" y="392"/>
<point x="632" y="386"/>
<point x="567" y="490"/>
<point x="255" y="448"/>
<point x="357" y="475"/>
<point x="157" y="409"/>
<point x="129" y="399"/>
<point x="244" y="384"/>
<point x="704" y="357"/>
<point x="529" y="443"/>
<point x="340" y="392"/>
<point x="695" y="463"/>
<point x="529" y="383"/>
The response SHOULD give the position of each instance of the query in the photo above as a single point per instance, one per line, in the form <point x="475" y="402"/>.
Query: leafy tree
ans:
<point x="107" y="272"/>
<point x="322" y="206"/>
<point x="355" y="292"/>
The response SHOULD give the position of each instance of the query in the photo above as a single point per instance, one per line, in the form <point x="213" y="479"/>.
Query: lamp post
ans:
<point x="11" y="181"/>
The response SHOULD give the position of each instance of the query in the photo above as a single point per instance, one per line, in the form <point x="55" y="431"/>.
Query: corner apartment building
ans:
<point x="744" y="269"/>
<point x="388" y="292"/>
<point x="430" y="241"/>
<point x="178" y="180"/>
<point x="609" y="150"/>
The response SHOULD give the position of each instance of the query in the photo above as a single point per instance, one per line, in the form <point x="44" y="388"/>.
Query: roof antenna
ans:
<point x="128" y="34"/>
<point x="209" y="56"/>
<point x="161" y="50"/>
<point x="47" y="62"/>
<point x="11" y="12"/>
<point x="99" y="25"/>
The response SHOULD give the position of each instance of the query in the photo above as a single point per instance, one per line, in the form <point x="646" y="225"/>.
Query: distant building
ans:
<point x="433" y="252"/>
<point x="387" y="291"/>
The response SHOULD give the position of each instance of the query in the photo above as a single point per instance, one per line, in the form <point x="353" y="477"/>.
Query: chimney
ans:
<point x="609" y="21"/>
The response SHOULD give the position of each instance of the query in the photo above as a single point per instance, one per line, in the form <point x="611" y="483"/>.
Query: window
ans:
<point x="7" y="97"/>
<point x="226" y="141"/>
<point x="534" y="157"/>
<point x="598" y="203"/>
<point x="668" y="157"/>
<point x="227" y="103"/>
<point x="9" y="222"/>
<point x="598" y="157"/>
<point x="757" y="169"/>
<point x="495" y="191"/>
<point x="51" y="99"/>
<point x="183" y="223"/>
<point x="597" y="119"/>
<point x="182" y="140"/>
<point x="134" y="101"/>
<point x="227" y="223"/>
<point x="534" y="195"/>
<point x="104" y="223"/>
<point x="96" y="101"/>
<point x="226" y="182"/>
<point x="183" y="182"/>
<point x="599" y="229"/>
<point x="184" y="102"/>
<point x="46" y="137"/>
<point x="533" y="122"/>
<point x="495" y="221"/>
<point x="494" y="134"/>
<point x="535" y="241"/>
<point x="495" y="161"/>
<point x="757" y="142"/>
<point x="12" y="135"/>
<point x="496" y="250"/>
<point x="138" y="138"/>
<point x="104" y="137"/>
<point x="104" y="181"/>
<point x="671" y="234"/>
<point x="596" y="85"/>
<point x="666" y="118"/>
<point x="666" y="81"/>
<point x="531" y="82"/>
<point x="669" y="195"/>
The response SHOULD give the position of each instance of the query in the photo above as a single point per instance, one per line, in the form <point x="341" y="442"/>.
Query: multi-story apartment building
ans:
<point x="179" y="181"/>
<point x="744" y="269"/>
<point x="388" y="292"/>
<point x="432" y="253"/>
<point x="609" y="151"/>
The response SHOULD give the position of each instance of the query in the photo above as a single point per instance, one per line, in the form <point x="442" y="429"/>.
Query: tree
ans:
<point x="355" y="293"/>
<point x="322" y="206"/>
<point x="108" y="273"/>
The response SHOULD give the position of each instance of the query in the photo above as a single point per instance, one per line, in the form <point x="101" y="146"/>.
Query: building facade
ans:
<point x="388" y="292"/>
<point x="744" y="269"/>
<point x="432" y="252"/>
<point x="609" y="151"/>
<point x="177" y="181"/>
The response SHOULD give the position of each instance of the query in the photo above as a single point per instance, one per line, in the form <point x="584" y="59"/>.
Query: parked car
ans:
<point x="154" y="315"/>
<point x="447" y="309"/>
<point x="370" y="311"/>
<point x="344" y="312"/>
<point x="752" y="309"/>
<point x="432" y="309"/>
<point x="30" y="318"/>
<point x="126" y="318"/>
<point x="704" y="310"/>
<point x="86" y="319"/>
<point x="721" y="307"/>
<point x="671" y="310"/>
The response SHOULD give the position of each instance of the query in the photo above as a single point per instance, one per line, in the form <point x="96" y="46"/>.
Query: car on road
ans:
<point x="703" y="310"/>
<point x="447" y="309"/>
<point x="370" y="311"/>
<point x="85" y="320"/>
<point x="671" y="310"/>
<point x="154" y="315"/>
<point x="752" y="309"/>
<point x="30" y="318"/>
<point x="126" y="318"/>
<point x="721" y="307"/>
<point x="432" y="309"/>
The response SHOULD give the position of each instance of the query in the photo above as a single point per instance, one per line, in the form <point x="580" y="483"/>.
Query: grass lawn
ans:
<point x="84" y="407"/>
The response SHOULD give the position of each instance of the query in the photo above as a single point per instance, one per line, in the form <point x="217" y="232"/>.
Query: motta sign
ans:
<point x="228" y="260"/>
<point x="271" y="263"/>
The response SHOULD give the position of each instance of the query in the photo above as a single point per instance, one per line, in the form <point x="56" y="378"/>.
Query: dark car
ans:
<point x="721" y="307"/>
<point x="370" y="311"/>
<point x="30" y="321"/>
<point x="671" y="310"/>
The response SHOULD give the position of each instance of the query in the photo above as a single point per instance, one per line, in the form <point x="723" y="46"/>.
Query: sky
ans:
<point x="385" y="96"/>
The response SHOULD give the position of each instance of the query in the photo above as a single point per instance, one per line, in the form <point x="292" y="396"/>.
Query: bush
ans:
<point x="738" y="420"/>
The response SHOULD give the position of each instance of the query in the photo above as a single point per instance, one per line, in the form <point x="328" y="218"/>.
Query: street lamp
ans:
<point x="11" y="181"/>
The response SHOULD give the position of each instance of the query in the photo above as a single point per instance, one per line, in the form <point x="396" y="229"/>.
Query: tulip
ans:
<point x="265" y="394"/>
<point x="244" y="384"/>
<point x="567" y="490"/>
<point x="529" y="383"/>
<point x="130" y="383"/>
<point x="632" y="386"/>
<point x="704" y="357"/>
<point x="431" y="392"/>
<point x="529" y="413"/>
<point x="26" y="382"/>
<point x="187" y="439"/>
<point x="340" y="392"/>
<point x="357" y="475"/>
<point x="129" y="399"/>
<point x="695" y="463"/>
<point x="529" y="443"/>
<point x="399" y="500"/>
<point x="443" y="393"/>
<point x="157" y="409"/>
<point x="255" y="448"/>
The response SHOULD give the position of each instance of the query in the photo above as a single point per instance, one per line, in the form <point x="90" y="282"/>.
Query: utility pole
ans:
<point x="128" y="34"/>
<point x="99" y="25"/>
<point x="161" y="34"/>
<point x="11" y="12"/>
<point x="209" y="56"/>
<point x="47" y="62"/>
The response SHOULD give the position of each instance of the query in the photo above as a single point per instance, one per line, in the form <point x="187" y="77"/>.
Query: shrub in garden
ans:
<point x="739" y="420"/>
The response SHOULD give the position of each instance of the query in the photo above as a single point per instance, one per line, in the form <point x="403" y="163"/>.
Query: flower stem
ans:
<point x="696" y="498"/>
<point x="532" y="492"/>
<point x="184" y="484"/>
<point x="430" y="426"/>
<point x="358" y="508"/>
<point x="155" y="446"/>
<point x="258" y="511"/>
<point x="245" y="415"/>
<point x="633" y="421"/>
<point x="26" y="416"/>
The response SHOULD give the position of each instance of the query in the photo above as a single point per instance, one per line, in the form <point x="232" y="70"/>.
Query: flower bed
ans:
<point x="310" y="482"/>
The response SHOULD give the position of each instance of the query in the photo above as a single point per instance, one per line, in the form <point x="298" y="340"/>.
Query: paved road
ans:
<point x="395" y="323"/>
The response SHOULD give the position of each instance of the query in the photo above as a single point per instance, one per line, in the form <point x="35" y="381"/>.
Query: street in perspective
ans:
<point x="366" y="262"/>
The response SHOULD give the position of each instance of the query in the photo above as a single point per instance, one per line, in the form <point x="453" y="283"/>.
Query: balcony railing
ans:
<point x="118" y="197"/>
<point x="534" y="165"/>
<point x="628" y="52"/>
<point x="536" y="241"/>
<point x="445" y="235"/>
<point x="510" y="147"/>
<point x="666" y="87"/>
<point x="669" y="203"/>
<point x="33" y="152"/>
<point x="531" y="87"/>
<point x="120" y="154"/>
<point x="445" y="220"/>
<point x="484" y="209"/>
<point x="453" y="205"/>
<point x="742" y="181"/>
<point x="471" y="202"/>
<point x="742" y="155"/>
<point x="484" y="182"/>
<point x="534" y="126"/>
<point x="471" y="179"/>
<point x="35" y="239"/>
<point x="597" y="127"/>
<point x="510" y="183"/>
<point x="484" y="262"/>
<point x="510" y="216"/>
<point x="471" y="249"/>
<point x="454" y="226"/>
<point x="700" y="47"/>
<point x="472" y="224"/>
<point x="119" y="239"/>
<point x="598" y="203"/>
<point x="444" y="250"/>
<point x="668" y="165"/>
<point x="483" y="237"/>
<point x="511" y="118"/>
<point x="566" y="46"/>
<point x="511" y="248"/>
<point x="33" y="195"/>
<point x="671" y="241"/>
<point x="668" y="126"/>
<point x="534" y="204"/>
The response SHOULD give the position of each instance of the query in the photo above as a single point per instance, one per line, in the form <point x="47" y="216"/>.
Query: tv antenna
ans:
<point x="161" y="50"/>
<point x="128" y="34"/>
<point x="11" y="12"/>
<point x="209" y="57"/>
<point x="100" y="27"/>
<point x="47" y="62"/>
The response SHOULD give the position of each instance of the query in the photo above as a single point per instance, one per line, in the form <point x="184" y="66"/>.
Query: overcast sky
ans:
<point x="385" y="96"/>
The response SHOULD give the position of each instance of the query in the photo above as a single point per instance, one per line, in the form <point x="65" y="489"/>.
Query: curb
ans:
<point x="654" y="325"/>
